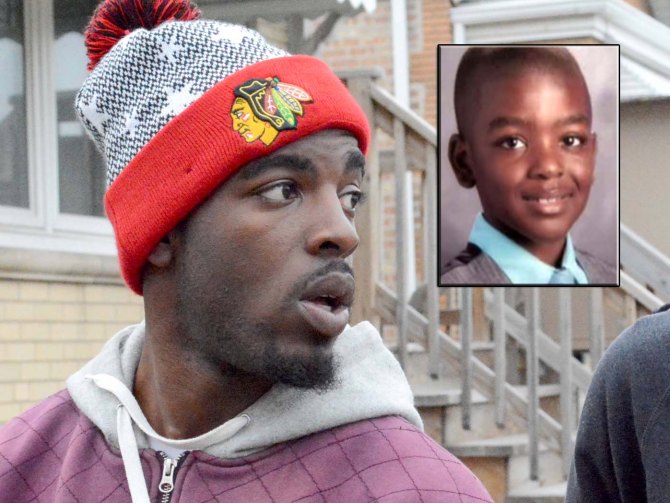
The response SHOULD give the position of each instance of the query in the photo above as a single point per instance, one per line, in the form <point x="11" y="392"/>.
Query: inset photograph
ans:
<point x="528" y="165"/>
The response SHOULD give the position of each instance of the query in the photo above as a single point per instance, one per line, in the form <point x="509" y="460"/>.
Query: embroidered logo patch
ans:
<point x="264" y="107"/>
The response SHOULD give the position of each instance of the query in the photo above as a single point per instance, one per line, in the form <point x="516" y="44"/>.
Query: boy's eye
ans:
<point x="573" y="141"/>
<point x="280" y="191"/>
<point x="512" y="143"/>
<point x="351" y="199"/>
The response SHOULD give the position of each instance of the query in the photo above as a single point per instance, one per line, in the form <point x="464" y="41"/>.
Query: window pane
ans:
<point x="13" y="143"/>
<point x="80" y="166"/>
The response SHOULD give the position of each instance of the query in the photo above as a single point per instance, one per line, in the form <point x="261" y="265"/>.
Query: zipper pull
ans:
<point x="167" y="481"/>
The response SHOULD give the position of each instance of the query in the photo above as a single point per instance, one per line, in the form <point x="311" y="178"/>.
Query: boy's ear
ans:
<point x="458" y="157"/>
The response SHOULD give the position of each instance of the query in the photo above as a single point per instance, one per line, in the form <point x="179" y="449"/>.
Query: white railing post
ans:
<point x="401" y="248"/>
<point x="532" y="378"/>
<point x="500" y="354"/>
<point x="596" y="336"/>
<point x="430" y="261"/>
<point x="566" y="400"/>
<point x="466" y="356"/>
<point x="630" y="310"/>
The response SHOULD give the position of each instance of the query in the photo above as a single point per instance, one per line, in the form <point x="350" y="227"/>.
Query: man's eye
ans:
<point x="352" y="199"/>
<point x="573" y="141"/>
<point x="280" y="192"/>
<point x="512" y="143"/>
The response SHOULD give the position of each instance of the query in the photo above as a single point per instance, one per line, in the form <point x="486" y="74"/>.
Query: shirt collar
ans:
<point x="519" y="265"/>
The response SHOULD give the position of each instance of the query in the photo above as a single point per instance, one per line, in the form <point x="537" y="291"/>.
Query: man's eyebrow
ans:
<point x="287" y="161"/>
<point x="501" y="122"/>
<point x="355" y="162"/>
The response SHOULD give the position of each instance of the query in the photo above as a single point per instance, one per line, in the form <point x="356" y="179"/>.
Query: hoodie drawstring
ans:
<point x="129" y="411"/>
<point x="130" y="456"/>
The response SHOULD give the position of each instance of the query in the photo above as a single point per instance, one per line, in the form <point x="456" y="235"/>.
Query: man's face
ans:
<point x="531" y="152"/>
<point x="263" y="286"/>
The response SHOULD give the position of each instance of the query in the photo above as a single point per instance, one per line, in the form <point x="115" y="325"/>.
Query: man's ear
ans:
<point x="458" y="157"/>
<point x="162" y="254"/>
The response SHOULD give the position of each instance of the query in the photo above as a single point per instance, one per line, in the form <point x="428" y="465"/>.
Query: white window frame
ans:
<point x="643" y="40"/>
<point x="42" y="228"/>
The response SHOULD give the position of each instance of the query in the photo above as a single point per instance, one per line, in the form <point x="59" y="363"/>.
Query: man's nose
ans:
<point x="546" y="161"/>
<point x="331" y="230"/>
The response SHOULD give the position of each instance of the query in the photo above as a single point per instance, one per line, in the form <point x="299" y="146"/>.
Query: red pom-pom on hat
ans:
<point x="114" y="19"/>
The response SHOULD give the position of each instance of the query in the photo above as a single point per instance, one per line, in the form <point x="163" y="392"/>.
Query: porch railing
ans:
<point x="411" y="143"/>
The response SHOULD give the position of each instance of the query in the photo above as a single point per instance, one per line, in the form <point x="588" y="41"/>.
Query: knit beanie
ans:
<point x="177" y="105"/>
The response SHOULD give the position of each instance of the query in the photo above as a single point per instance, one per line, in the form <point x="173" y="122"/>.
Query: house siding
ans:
<point x="48" y="330"/>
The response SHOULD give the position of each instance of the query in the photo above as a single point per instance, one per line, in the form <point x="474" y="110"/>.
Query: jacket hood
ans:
<point x="370" y="383"/>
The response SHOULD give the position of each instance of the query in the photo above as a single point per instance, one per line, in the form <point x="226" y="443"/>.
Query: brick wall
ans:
<point x="362" y="41"/>
<point x="365" y="41"/>
<point x="436" y="29"/>
<point x="49" y="330"/>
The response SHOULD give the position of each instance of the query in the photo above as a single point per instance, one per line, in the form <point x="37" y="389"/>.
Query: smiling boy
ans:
<point x="525" y="143"/>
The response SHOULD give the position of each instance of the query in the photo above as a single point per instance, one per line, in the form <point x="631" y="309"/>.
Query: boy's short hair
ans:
<point x="504" y="61"/>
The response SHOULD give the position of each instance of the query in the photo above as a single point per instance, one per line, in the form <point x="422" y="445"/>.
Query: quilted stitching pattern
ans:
<point x="53" y="453"/>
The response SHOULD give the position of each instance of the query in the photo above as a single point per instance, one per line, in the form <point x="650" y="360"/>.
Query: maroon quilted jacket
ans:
<point x="53" y="453"/>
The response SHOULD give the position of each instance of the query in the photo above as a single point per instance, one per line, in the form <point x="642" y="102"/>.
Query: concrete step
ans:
<point x="533" y="492"/>
<point x="418" y="360"/>
<point x="543" y="390"/>
<point x="500" y="447"/>
<point x="484" y="350"/>
<point x="482" y="424"/>
<point x="412" y="347"/>
<point x="483" y="345"/>
<point x="441" y="393"/>
<point x="489" y="461"/>
<point x="550" y="398"/>
<point x="550" y="468"/>
<point x="433" y="398"/>
<point x="514" y="451"/>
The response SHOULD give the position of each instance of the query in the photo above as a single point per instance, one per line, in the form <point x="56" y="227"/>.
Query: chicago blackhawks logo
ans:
<point x="264" y="107"/>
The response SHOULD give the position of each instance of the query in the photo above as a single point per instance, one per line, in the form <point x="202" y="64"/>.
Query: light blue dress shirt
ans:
<point x="519" y="265"/>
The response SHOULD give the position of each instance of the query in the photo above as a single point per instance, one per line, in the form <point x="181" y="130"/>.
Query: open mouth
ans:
<point x="326" y="301"/>
<point x="329" y="303"/>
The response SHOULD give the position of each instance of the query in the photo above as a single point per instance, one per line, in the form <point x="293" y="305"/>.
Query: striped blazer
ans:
<point x="474" y="267"/>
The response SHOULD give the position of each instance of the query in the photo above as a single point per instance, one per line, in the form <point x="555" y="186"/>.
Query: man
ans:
<point x="244" y="383"/>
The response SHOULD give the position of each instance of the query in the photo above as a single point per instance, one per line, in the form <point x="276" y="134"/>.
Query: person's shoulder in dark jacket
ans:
<point x="621" y="453"/>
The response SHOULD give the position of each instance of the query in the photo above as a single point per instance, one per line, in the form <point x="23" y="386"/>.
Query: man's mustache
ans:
<point x="333" y="266"/>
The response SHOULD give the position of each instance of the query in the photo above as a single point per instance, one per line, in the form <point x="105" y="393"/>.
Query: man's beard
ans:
<point x="234" y="344"/>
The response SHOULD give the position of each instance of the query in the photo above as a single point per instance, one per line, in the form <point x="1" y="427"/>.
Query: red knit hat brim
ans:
<point x="199" y="149"/>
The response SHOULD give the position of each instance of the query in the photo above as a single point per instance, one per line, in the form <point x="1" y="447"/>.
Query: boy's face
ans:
<point x="528" y="148"/>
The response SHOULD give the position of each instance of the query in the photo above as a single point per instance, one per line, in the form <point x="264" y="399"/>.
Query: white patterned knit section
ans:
<point x="150" y="77"/>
